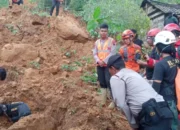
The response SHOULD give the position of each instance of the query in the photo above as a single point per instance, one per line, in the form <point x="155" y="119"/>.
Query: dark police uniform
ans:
<point x="165" y="71"/>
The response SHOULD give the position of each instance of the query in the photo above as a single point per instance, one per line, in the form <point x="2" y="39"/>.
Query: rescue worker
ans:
<point x="130" y="51"/>
<point x="143" y="107"/>
<point x="18" y="2"/>
<point x="153" y="57"/>
<point x="103" y="49"/>
<point x="55" y="3"/>
<point x="136" y="40"/>
<point x="175" y="29"/>
<point x="165" y="72"/>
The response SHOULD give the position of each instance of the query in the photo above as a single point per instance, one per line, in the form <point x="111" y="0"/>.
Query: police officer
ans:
<point x="143" y="107"/>
<point x="165" y="72"/>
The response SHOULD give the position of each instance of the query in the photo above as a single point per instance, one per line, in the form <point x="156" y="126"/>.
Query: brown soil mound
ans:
<point x="34" y="49"/>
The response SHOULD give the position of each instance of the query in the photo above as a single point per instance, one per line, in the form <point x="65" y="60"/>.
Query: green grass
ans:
<point x="35" y="64"/>
<point x="89" y="77"/>
<point x="67" y="67"/>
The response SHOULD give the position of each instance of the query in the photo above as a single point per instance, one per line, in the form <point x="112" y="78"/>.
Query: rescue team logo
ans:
<point x="152" y="113"/>
<point x="171" y="63"/>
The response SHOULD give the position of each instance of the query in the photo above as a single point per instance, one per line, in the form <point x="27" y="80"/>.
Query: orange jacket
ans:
<point x="128" y="54"/>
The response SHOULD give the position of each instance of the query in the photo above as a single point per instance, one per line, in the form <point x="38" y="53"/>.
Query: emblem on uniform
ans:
<point x="152" y="113"/>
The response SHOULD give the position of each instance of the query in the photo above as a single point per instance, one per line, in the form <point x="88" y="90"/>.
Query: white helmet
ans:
<point x="165" y="37"/>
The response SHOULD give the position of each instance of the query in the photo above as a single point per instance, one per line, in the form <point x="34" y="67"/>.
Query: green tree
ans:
<point x="119" y="14"/>
<point x="77" y="5"/>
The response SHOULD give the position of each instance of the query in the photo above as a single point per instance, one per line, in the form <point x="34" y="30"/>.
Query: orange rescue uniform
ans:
<point x="128" y="54"/>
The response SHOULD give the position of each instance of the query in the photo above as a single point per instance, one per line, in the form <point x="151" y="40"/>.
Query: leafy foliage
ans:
<point x="118" y="14"/>
<point x="77" y="5"/>
<point x="67" y="67"/>
<point x="90" y="77"/>
<point x="70" y="53"/>
<point x="11" y="28"/>
<point x="35" y="64"/>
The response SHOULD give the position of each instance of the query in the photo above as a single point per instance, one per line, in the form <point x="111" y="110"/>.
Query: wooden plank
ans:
<point x="150" y="9"/>
<point x="157" y="14"/>
<point x="158" y="22"/>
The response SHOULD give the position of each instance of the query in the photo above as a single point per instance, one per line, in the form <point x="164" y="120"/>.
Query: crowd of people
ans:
<point x="149" y="102"/>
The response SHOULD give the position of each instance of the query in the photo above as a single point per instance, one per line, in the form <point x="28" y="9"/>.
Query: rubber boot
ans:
<point x="103" y="96"/>
<point x="10" y="3"/>
<point x="111" y="105"/>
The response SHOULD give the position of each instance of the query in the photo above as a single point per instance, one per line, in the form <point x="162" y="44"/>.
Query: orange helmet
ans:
<point x="127" y="34"/>
<point x="153" y="32"/>
<point x="172" y="26"/>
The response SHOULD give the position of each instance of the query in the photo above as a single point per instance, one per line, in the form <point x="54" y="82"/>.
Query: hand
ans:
<point x="147" y="57"/>
<point x="101" y="63"/>
<point x="140" y="62"/>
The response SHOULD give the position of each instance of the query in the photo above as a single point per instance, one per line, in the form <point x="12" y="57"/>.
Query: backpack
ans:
<point x="15" y="110"/>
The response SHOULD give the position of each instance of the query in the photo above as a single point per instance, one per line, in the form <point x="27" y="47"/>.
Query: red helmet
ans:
<point x="127" y="34"/>
<point x="153" y="32"/>
<point x="171" y="27"/>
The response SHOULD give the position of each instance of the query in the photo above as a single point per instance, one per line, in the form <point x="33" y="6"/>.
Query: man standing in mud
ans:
<point x="18" y="2"/>
<point x="103" y="49"/>
<point x="55" y="3"/>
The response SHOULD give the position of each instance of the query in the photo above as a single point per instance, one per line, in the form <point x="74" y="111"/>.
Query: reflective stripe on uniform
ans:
<point x="103" y="51"/>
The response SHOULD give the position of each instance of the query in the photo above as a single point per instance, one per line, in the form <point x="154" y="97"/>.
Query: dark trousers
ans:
<point x="164" y="124"/>
<point x="103" y="77"/>
<point x="56" y="4"/>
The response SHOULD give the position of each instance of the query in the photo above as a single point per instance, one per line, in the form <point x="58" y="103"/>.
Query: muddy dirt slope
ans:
<point x="45" y="58"/>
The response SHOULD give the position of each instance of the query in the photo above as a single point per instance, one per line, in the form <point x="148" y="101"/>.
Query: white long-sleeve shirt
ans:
<point x="130" y="91"/>
<point x="112" y="50"/>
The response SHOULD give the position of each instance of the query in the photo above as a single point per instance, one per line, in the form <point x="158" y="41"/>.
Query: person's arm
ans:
<point x="151" y="62"/>
<point x="95" y="53"/>
<point x="113" y="51"/>
<point x="119" y="95"/>
<point x="118" y="91"/>
<point x="158" y="77"/>
<point x="140" y="62"/>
